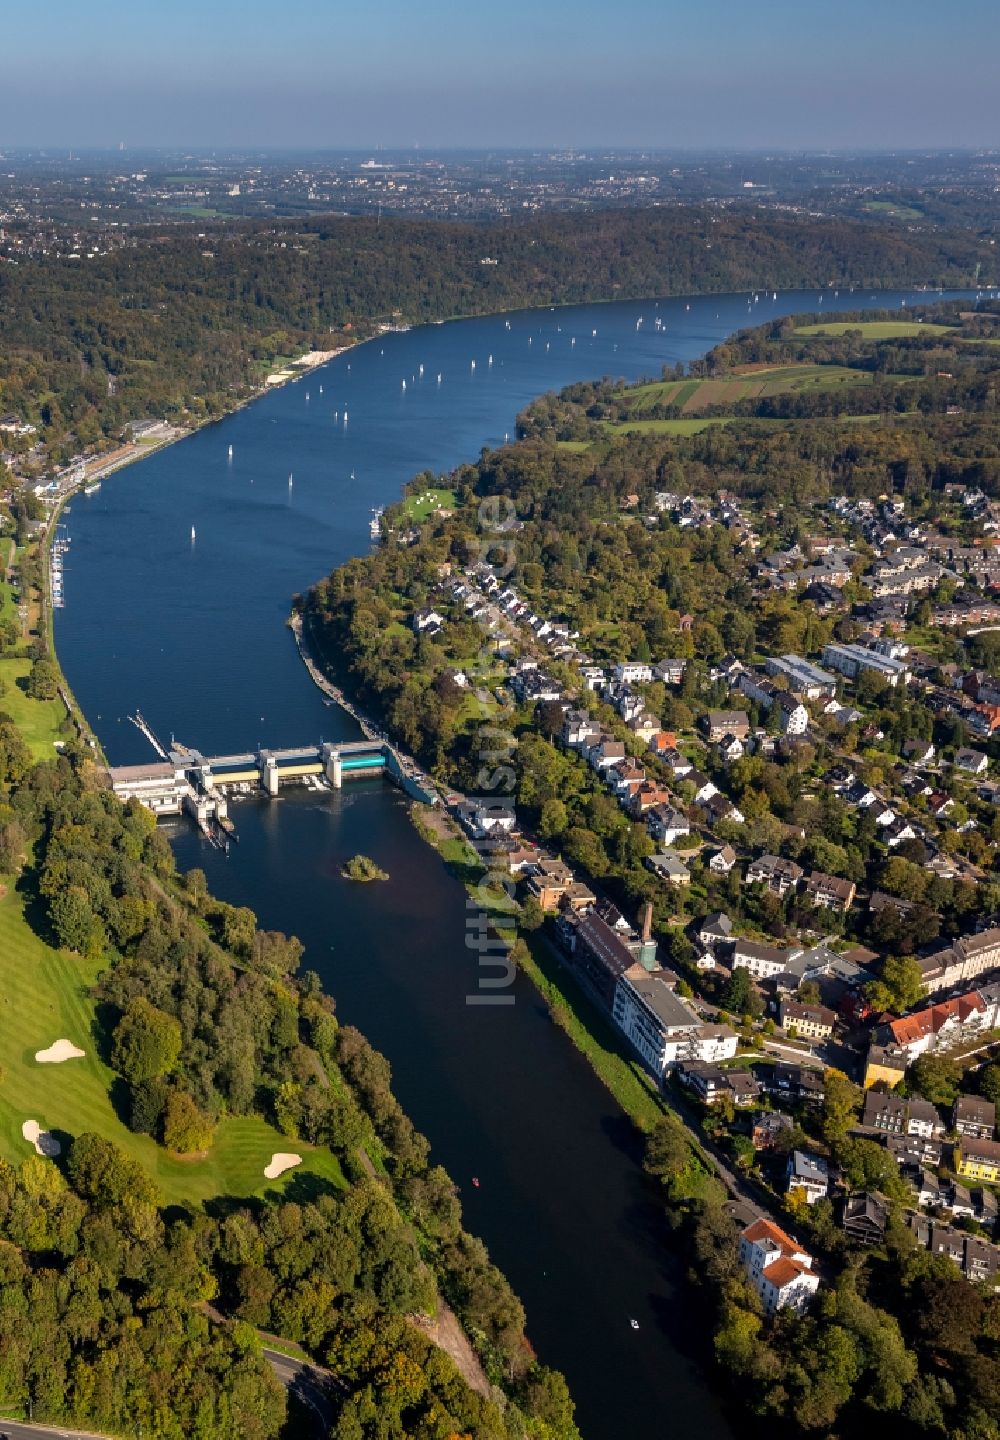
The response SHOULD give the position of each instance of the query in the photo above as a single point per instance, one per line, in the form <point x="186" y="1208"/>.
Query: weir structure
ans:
<point x="184" y="781"/>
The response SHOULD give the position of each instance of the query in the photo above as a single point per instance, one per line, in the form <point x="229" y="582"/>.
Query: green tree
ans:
<point x="740" y="995"/>
<point x="185" y="1127"/>
<point x="935" y="1077"/>
<point x="72" y="918"/>
<point x="668" y="1149"/>
<point x="899" y="987"/>
<point x="43" y="682"/>
<point x="146" y="1042"/>
<point x="841" y="1105"/>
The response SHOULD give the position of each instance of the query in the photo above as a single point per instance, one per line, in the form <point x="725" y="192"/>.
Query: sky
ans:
<point x="873" y="74"/>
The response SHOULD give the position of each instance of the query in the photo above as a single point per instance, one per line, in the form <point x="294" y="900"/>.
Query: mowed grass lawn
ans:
<point x="693" y="396"/>
<point x="876" y="329"/>
<point x="44" y="996"/>
<point x="39" y="721"/>
<point x="420" y="507"/>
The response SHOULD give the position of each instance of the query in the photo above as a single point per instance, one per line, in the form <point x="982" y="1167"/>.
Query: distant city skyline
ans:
<point x="539" y="73"/>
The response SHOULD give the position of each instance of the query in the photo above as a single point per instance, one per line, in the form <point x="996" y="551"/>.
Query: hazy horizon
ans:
<point x="645" y="76"/>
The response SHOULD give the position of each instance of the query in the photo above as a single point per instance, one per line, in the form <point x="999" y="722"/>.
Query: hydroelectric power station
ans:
<point x="186" y="782"/>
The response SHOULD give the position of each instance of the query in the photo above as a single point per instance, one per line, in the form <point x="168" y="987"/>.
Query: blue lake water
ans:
<point x="193" y="633"/>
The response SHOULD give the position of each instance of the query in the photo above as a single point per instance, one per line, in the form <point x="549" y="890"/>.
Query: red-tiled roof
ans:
<point x="928" y="1022"/>
<point x="767" y="1230"/>
<point x="782" y="1272"/>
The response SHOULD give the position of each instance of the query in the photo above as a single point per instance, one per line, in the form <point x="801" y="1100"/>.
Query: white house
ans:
<point x="777" y="1267"/>
<point x="808" y="1175"/>
<point x="633" y="672"/>
<point x="661" y="1026"/>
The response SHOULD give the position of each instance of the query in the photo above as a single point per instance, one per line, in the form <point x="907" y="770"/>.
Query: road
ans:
<point x="307" y="1382"/>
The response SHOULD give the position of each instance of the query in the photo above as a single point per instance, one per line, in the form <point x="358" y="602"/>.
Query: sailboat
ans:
<point x="490" y="361"/>
<point x="404" y="384"/>
<point x="439" y="377"/>
<point x="230" y="452"/>
<point x="193" y="536"/>
<point x="473" y="364"/>
<point x="289" y="480"/>
<point x="421" y="370"/>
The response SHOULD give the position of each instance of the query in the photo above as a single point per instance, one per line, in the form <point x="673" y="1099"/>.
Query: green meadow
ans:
<point x="876" y="329"/>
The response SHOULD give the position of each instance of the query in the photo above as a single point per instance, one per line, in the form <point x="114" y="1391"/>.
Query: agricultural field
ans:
<point x="694" y="396"/>
<point x="44" y="997"/>
<point x="876" y="329"/>
<point x="664" y="427"/>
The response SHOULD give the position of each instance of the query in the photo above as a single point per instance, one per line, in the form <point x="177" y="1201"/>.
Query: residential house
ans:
<point x="427" y="621"/>
<point x="812" y="1022"/>
<point x="830" y="892"/>
<point x="804" y="678"/>
<point x="973" y="762"/>
<point x="723" y="724"/>
<point x="865" y="1218"/>
<point x="964" y="960"/>
<point x="599" y="956"/>
<point x="723" y="860"/>
<point x="761" y="959"/>
<point x="579" y="729"/>
<point x="886" y="1113"/>
<point x="715" y="929"/>
<point x="778" y="874"/>
<point x="666" y="825"/>
<point x="978" y="1159"/>
<point x="795" y="1084"/>
<point x="808" y="1176"/>
<point x="703" y="787"/>
<point x="975" y="1117"/>
<point x="922" y="1119"/>
<point x="777" y="1267"/>
<point x="646" y="797"/>
<point x="669" y="866"/>
<point x="711" y="1083"/>
<point x="661" y="1026"/>
<point x="978" y="1260"/>
<point x="671" y="672"/>
<point x="718" y="808"/>
<point x="914" y="1149"/>
<point x="633" y="672"/>
<point x="549" y="883"/>
<point x="768" y="1128"/>
<point x="941" y="1026"/>
<point x="853" y="660"/>
<point x="605" y="752"/>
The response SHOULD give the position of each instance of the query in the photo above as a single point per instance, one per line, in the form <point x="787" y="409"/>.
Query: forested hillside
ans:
<point x="201" y="1020"/>
<point x="183" y="325"/>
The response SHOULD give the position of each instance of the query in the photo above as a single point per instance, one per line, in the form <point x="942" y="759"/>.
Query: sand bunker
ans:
<point x="44" y="1142"/>
<point x="58" y="1052"/>
<point x="280" y="1162"/>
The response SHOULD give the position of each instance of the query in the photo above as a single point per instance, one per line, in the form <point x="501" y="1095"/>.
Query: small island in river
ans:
<point x="362" y="867"/>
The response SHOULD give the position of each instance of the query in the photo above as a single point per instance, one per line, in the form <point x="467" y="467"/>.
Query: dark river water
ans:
<point x="193" y="634"/>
